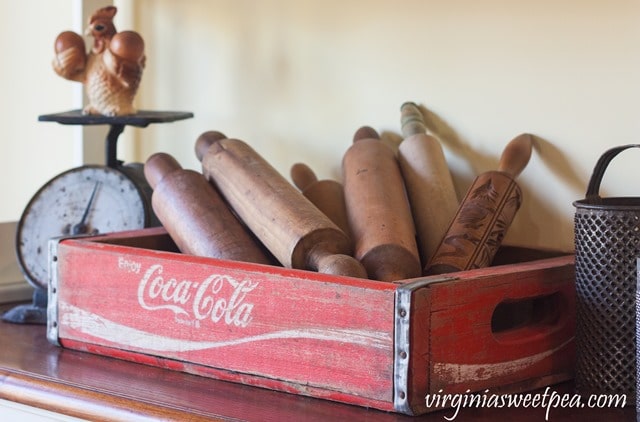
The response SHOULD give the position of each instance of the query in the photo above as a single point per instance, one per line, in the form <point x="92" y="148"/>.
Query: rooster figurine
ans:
<point x="111" y="71"/>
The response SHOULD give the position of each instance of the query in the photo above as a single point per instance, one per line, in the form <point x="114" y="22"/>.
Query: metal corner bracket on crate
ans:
<point x="402" y="340"/>
<point x="52" y="290"/>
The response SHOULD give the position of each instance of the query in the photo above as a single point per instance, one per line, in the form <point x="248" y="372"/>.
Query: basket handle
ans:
<point x="593" y="190"/>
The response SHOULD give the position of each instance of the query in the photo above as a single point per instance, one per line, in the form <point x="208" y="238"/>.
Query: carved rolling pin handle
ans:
<point x="296" y="232"/>
<point x="485" y="214"/>
<point x="195" y="216"/>
<point x="327" y="195"/>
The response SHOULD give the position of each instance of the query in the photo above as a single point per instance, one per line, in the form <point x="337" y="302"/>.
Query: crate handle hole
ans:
<point x="517" y="319"/>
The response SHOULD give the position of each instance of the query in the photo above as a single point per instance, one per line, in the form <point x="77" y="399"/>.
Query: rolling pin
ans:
<point x="378" y="210"/>
<point x="485" y="214"/>
<point x="327" y="195"/>
<point x="430" y="188"/>
<point x="195" y="215"/>
<point x="294" y="230"/>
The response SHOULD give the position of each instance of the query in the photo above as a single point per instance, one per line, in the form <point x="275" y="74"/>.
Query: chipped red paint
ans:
<point x="129" y="296"/>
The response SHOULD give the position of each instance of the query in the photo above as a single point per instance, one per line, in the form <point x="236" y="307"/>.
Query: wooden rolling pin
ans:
<point x="485" y="214"/>
<point x="327" y="195"/>
<point x="296" y="232"/>
<point x="378" y="210"/>
<point x="195" y="215"/>
<point x="430" y="188"/>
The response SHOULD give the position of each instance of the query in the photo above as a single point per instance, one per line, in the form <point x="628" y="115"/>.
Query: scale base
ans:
<point x="33" y="313"/>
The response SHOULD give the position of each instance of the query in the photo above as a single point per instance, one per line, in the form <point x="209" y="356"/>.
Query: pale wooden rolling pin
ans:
<point x="378" y="211"/>
<point x="195" y="215"/>
<point x="485" y="214"/>
<point x="429" y="184"/>
<point x="326" y="194"/>
<point x="296" y="232"/>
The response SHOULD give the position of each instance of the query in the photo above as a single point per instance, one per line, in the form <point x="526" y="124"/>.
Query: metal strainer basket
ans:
<point x="607" y="243"/>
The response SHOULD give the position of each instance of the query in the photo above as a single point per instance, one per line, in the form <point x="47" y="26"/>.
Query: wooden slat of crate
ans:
<point x="375" y="344"/>
<point x="475" y="352"/>
<point x="277" y="324"/>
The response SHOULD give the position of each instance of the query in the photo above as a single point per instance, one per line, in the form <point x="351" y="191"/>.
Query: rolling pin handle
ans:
<point x="302" y="176"/>
<point x="411" y="120"/>
<point x="204" y="142"/>
<point x="365" y="132"/>
<point x="516" y="155"/>
<point x="336" y="264"/>
<point x="158" y="166"/>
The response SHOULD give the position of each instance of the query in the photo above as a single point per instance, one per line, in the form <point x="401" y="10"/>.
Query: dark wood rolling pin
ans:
<point x="296" y="232"/>
<point x="326" y="194"/>
<point x="429" y="184"/>
<point x="195" y="215"/>
<point x="378" y="210"/>
<point x="485" y="214"/>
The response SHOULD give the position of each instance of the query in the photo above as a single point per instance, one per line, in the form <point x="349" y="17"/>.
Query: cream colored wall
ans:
<point x="30" y="152"/>
<point x="33" y="152"/>
<point x="297" y="78"/>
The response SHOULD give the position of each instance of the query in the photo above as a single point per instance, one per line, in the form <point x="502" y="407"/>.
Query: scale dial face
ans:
<point x="86" y="200"/>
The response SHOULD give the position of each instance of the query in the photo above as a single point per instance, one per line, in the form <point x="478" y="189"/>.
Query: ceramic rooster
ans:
<point x="111" y="71"/>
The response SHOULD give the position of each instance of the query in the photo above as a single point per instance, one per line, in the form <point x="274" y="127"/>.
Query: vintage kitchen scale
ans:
<point x="85" y="200"/>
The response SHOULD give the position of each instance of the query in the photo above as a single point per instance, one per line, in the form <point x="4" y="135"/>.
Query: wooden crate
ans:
<point x="130" y="295"/>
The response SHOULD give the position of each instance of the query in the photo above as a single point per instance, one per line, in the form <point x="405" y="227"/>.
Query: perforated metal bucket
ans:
<point x="607" y="243"/>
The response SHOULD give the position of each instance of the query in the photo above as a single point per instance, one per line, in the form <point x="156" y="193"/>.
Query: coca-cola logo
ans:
<point x="218" y="298"/>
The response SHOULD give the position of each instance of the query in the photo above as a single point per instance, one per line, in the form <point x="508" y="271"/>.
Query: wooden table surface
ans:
<point x="36" y="373"/>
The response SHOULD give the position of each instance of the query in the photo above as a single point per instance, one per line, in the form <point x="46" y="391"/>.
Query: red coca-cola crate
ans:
<point x="131" y="295"/>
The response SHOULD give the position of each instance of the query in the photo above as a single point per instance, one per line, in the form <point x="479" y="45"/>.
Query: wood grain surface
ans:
<point x="484" y="215"/>
<point x="378" y="210"/>
<point x="429" y="184"/>
<point x="326" y="194"/>
<point x="294" y="230"/>
<point x="196" y="216"/>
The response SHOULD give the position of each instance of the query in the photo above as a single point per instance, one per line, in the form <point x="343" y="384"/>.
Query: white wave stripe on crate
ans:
<point x="99" y="327"/>
<point x="459" y="372"/>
